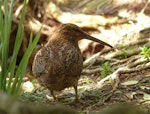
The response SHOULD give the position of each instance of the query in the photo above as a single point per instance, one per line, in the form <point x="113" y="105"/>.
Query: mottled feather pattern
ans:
<point x="59" y="63"/>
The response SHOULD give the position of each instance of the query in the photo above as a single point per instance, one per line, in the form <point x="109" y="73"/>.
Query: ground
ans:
<point x="111" y="76"/>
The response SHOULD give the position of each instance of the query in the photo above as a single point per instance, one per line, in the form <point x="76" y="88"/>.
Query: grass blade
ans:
<point x="18" y="42"/>
<point x="24" y="62"/>
<point x="5" y="36"/>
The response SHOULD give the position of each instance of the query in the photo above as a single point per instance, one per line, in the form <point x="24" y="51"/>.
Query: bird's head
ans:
<point x="74" y="33"/>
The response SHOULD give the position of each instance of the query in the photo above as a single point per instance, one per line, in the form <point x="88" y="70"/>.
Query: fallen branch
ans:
<point x="137" y="66"/>
<point x="81" y="20"/>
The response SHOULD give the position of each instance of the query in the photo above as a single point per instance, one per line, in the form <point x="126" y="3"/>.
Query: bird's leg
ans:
<point x="52" y="93"/>
<point x="76" y="94"/>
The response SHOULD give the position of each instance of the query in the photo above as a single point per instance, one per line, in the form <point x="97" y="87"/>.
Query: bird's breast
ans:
<point x="58" y="59"/>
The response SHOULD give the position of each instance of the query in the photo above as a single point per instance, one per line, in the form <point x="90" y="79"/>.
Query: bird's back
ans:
<point x="58" y="65"/>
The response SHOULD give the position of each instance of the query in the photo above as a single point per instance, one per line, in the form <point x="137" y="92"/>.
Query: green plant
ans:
<point x="8" y="70"/>
<point x="145" y="52"/>
<point x="106" y="69"/>
<point x="124" y="54"/>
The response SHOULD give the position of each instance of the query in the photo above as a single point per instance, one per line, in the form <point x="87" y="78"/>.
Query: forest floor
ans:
<point x="111" y="76"/>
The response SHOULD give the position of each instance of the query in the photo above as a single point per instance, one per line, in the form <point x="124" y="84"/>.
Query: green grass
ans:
<point x="145" y="52"/>
<point x="106" y="69"/>
<point x="8" y="70"/>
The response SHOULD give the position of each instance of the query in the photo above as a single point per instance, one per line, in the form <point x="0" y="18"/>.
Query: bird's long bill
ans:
<point x="97" y="40"/>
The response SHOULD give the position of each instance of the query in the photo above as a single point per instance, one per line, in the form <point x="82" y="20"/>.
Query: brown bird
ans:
<point x="59" y="63"/>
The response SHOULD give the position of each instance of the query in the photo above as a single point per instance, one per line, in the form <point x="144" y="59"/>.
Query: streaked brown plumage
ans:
<point x="59" y="63"/>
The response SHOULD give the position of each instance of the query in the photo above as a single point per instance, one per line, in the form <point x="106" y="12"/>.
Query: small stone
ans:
<point x="27" y="86"/>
